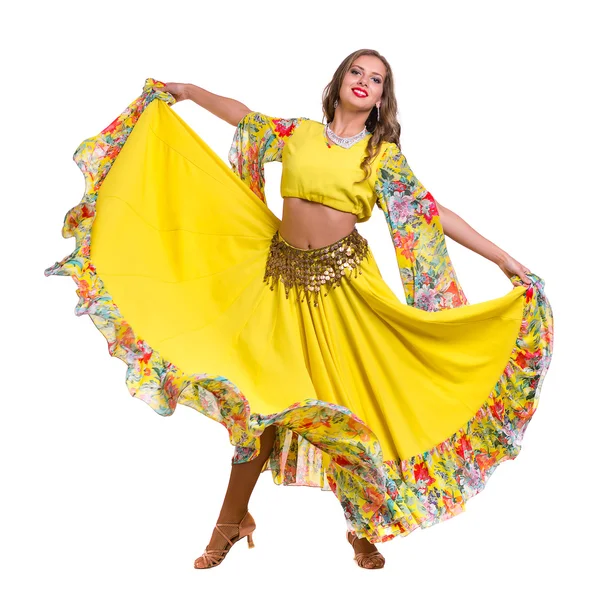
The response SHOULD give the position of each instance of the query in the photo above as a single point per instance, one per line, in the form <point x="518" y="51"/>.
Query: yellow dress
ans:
<point x="402" y="410"/>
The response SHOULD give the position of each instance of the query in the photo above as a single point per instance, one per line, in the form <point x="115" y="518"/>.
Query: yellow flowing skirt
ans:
<point x="403" y="413"/>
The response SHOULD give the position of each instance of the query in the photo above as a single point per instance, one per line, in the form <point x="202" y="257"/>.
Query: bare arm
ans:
<point x="460" y="231"/>
<point x="228" y="109"/>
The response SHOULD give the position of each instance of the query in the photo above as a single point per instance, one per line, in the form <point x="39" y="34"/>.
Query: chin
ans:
<point x="357" y="102"/>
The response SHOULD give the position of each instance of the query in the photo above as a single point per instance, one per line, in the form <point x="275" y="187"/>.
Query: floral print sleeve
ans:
<point x="427" y="273"/>
<point x="258" y="139"/>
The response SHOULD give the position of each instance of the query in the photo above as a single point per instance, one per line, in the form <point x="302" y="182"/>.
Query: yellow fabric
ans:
<point x="319" y="171"/>
<point x="181" y="244"/>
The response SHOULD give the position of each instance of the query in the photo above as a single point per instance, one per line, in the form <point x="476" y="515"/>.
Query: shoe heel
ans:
<point x="250" y="541"/>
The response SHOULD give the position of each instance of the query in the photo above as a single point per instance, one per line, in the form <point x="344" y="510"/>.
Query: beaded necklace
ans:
<point x="345" y="142"/>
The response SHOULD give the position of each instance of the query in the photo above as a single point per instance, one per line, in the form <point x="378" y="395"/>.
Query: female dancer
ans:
<point x="307" y="224"/>
<point x="388" y="406"/>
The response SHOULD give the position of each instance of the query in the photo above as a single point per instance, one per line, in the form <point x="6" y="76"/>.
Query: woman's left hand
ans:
<point x="511" y="267"/>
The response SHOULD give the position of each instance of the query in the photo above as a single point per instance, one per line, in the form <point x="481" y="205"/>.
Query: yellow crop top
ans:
<point x="313" y="168"/>
<point x="319" y="173"/>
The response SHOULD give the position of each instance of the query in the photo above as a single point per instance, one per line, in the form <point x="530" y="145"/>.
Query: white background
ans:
<point x="101" y="497"/>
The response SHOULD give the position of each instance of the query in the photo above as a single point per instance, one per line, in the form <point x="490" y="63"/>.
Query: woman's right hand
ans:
<point x="177" y="90"/>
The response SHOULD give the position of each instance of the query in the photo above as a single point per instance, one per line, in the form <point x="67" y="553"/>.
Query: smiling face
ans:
<point x="362" y="86"/>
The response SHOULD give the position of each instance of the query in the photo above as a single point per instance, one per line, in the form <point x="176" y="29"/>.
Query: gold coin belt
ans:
<point x="311" y="269"/>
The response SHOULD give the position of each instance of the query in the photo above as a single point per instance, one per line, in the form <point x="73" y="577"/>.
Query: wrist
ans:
<point x="187" y="91"/>
<point x="500" y="257"/>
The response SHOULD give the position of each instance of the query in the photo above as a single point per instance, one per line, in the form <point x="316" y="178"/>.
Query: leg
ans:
<point x="242" y="480"/>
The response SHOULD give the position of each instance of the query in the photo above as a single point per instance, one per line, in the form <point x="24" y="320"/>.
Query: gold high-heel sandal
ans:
<point x="212" y="558"/>
<point x="364" y="559"/>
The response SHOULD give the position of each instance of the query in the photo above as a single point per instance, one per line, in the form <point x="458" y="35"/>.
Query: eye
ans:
<point x="357" y="72"/>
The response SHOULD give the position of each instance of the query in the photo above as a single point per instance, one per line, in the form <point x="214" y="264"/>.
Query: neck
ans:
<point x="347" y="124"/>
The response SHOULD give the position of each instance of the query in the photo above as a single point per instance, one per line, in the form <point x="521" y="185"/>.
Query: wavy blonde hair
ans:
<point x="387" y="128"/>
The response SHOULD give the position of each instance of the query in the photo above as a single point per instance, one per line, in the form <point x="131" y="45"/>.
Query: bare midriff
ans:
<point x="308" y="225"/>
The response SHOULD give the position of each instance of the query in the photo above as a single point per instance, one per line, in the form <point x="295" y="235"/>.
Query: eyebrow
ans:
<point x="374" y="72"/>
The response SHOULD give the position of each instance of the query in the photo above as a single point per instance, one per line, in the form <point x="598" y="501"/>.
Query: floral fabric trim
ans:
<point x="259" y="139"/>
<point x="427" y="273"/>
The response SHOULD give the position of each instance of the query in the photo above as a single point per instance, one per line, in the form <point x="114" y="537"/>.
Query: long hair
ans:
<point x="387" y="127"/>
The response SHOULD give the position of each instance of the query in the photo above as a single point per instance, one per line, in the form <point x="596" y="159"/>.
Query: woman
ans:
<point x="284" y="331"/>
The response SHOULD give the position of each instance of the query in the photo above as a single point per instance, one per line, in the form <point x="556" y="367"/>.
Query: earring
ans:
<point x="335" y="104"/>
<point x="378" y="112"/>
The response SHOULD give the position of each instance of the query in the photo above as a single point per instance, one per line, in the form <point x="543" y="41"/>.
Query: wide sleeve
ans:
<point x="427" y="273"/>
<point x="258" y="139"/>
